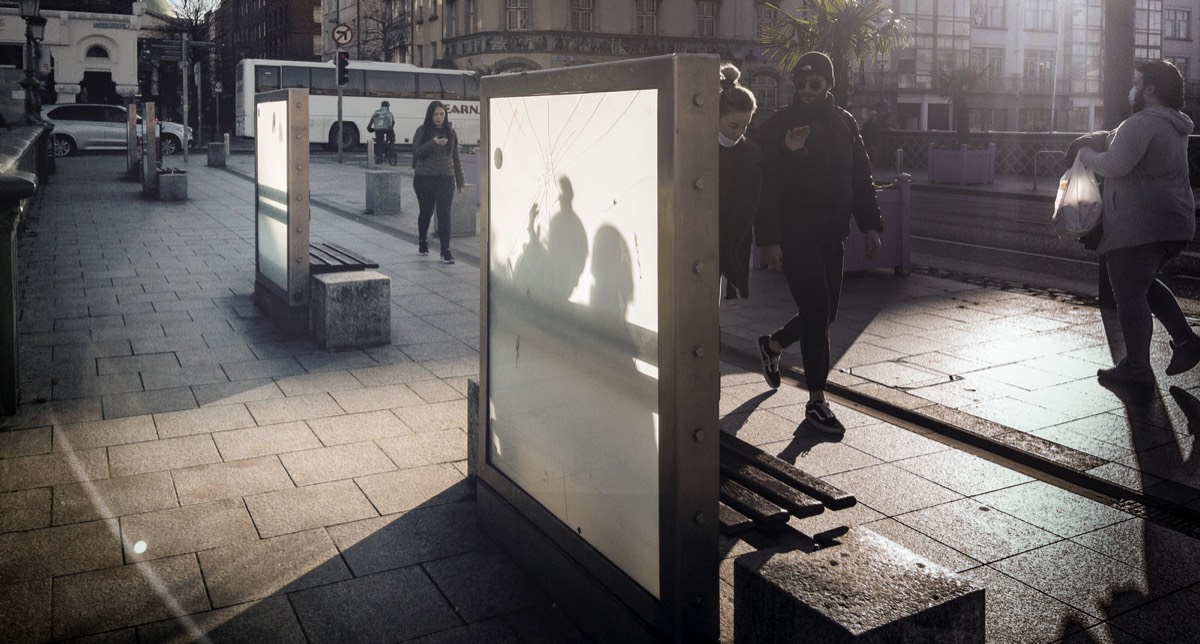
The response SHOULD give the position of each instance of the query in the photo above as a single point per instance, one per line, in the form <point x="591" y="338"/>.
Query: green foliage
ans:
<point x="957" y="84"/>
<point x="849" y="31"/>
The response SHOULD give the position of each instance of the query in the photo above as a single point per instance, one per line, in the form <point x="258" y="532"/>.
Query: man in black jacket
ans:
<point x="817" y="177"/>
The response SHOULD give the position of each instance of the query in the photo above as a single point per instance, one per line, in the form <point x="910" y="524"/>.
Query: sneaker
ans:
<point x="1123" y="374"/>
<point x="447" y="258"/>
<point x="1184" y="356"/>
<point x="422" y="248"/>
<point x="770" y="361"/>
<point x="821" y="416"/>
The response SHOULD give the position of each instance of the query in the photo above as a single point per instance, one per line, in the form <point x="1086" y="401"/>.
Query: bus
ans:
<point x="408" y="89"/>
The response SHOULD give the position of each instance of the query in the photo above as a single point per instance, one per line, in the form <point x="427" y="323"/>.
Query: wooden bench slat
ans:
<point x="832" y="497"/>
<point x="797" y="503"/>
<point x="744" y="500"/>
<point x="732" y="521"/>
<point x="325" y="257"/>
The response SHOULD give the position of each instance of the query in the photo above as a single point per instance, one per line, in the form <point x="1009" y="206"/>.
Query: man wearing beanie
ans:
<point x="817" y="177"/>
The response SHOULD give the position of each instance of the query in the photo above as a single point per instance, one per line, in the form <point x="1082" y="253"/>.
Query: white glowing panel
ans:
<point x="272" y="207"/>
<point x="573" y="314"/>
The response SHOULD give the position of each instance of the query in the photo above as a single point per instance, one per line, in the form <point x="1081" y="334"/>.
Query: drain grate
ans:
<point x="1162" y="517"/>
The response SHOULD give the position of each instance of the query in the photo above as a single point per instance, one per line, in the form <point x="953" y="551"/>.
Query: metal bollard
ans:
<point x="226" y="145"/>
<point x="370" y="153"/>
<point x="899" y="161"/>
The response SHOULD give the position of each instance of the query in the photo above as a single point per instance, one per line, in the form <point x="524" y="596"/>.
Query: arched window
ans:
<point x="766" y="91"/>
<point x="97" y="51"/>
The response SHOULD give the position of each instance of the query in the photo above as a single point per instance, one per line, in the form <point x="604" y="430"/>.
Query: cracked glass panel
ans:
<point x="573" y="314"/>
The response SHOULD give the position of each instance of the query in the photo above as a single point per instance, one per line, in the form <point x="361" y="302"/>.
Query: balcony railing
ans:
<point x="585" y="44"/>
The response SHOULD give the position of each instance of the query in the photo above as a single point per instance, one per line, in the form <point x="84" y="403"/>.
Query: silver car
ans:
<point x="90" y="126"/>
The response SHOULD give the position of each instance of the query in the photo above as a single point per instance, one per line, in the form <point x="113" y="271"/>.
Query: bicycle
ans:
<point x="389" y="152"/>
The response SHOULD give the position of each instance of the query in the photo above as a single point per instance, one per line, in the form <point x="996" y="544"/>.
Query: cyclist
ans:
<point x="382" y="123"/>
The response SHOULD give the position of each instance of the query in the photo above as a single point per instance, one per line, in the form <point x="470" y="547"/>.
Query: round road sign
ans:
<point x="343" y="34"/>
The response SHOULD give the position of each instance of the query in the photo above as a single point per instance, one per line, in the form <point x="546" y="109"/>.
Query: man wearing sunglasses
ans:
<point x="816" y="177"/>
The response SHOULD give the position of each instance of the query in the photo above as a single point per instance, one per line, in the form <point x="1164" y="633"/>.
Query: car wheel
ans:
<point x="63" y="145"/>
<point x="169" y="145"/>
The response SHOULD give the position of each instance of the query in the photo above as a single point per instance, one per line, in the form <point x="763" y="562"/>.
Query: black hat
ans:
<point x="814" y="63"/>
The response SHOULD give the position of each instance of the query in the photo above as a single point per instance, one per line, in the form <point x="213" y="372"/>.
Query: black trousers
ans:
<point x="383" y="137"/>
<point x="813" y="269"/>
<point x="434" y="194"/>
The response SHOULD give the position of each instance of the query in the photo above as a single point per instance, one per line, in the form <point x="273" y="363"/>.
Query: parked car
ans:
<point x="91" y="126"/>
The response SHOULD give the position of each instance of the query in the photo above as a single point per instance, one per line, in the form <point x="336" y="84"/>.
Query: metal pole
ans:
<point x="340" y="126"/>
<point x="199" y="104"/>
<point x="184" y="76"/>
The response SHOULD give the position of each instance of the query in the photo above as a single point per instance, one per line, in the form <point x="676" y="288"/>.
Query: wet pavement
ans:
<point x="177" y="468"/>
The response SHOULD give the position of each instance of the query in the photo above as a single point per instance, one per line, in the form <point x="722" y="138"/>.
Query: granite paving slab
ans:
<point x="375" y="608"/>
<point x="174" y="531"/>
<point x="113" y="497"/>
<point x="325" y="504"/>
<point x="59" y="550"/>
<point x="241" y="573"/>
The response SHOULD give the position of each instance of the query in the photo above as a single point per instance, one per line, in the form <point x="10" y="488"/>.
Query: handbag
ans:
<point x="1078" y="204"/>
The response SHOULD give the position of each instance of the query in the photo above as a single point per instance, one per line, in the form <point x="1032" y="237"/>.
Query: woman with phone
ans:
<point x="438" y="172"/>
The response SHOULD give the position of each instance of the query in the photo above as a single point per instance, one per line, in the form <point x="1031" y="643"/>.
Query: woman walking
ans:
<point x="741" y="177"/>
<point x="438" y="174"/>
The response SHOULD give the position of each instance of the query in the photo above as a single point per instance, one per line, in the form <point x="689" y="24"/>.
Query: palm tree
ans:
<point x="956" y="84"/>
<point x="849" y="31"/>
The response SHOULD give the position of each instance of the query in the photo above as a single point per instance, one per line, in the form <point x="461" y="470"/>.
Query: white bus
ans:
<point x="408" y="88"/>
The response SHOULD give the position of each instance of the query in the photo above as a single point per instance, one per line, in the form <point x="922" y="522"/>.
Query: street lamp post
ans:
<point x="35" y="31"/>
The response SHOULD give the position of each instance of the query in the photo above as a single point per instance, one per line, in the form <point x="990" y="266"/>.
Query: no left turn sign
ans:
<point x="343" y="34"/>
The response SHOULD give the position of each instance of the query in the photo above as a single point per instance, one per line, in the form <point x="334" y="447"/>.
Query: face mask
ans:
<point x="1133" y="94"/>
<point x="727" y="142"/>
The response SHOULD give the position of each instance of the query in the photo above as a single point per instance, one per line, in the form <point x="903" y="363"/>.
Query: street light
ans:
<point x="35" y="31"/>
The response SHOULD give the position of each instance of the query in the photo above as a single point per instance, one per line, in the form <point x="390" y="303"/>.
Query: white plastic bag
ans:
<point x="1078" y="204"/>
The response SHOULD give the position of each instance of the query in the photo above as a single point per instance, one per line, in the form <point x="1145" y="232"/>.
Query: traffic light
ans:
<point x="343" y="64"/>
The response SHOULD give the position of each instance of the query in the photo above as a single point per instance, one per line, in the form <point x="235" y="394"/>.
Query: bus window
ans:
<point x="391" y="84"/>
<point x="472" y="83"/>
<point x="295" y="77"/>
<point x="324" y="82"/>
<point x="429" y="86"/>
<point x="452" y="87"/>
<point x="266" y="78"/>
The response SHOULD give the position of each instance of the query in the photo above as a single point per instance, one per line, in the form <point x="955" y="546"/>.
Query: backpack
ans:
<point x="381" y="120"/>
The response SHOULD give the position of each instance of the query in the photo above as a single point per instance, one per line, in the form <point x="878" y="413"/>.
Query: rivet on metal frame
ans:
<point x="698" y="99"/>
<point x="698" y="518"/>
<point x="698" y="184"/>
<point x="698" y="268"/>
<point x="698" y="435"/>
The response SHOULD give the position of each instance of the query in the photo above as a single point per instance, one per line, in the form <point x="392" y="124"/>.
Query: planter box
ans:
<point x="963" y="165"/>
<point x="895" y="204"/>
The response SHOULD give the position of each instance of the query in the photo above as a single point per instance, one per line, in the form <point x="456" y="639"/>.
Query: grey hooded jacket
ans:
<point x="1147" y="195"/>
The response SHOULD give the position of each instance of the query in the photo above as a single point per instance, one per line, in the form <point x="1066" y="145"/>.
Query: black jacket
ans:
<point x="740" y="195"/>
<point x="814" y="192"/>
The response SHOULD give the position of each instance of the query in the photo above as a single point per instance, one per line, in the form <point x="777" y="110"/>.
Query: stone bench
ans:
<point x="383" y="191"/>
<point x="216" y="155"/>
<point x="172" y="184"/>
<point x="350" y="304"/>
<point x="863" y="589"/>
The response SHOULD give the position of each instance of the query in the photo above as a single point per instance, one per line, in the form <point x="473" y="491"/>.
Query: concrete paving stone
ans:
<point x="24" y="510"/>
<point x="148" y="402"/>
<point x="166" y="319"/>
<point x="67" y="324"/>
<point x="418" y="332"/>
<point x="242" y="391"/>
<point x="164" y="344"/>
<point x="891" y="490"/>
<point x="922" y="544"/>
<point x="234" y="353"/>
<point x="819" y="454"/>
<point x="188" y="327"/>
<point x="547" y="623"/>
<point x="1053" y="508"/>
<point x="392" y="542"/>
<point x="25" y="611"/>
<point x="430" y="448"/>
<point x="270" y="348"/>
<point x="1125" y="476"/>
<point x="1074" y="435"/>
<point x="60" y="550"/>
<point x="484" y="584"/>
<point x="312" y="383"/>
<point x="335" y="361"/>
<point x="1172" y="618"/>
<point x="428" y="304"/>
<point x="393" y="492"/>
<point x="964" y="473"/>
<point x="901" y="399"/>
<point x="1067" y="399"/>
<point x="91" y="349"/>
<point x="187" y="529"/>
<point x="977" y="530"/>
<point x="400" y="601"/>
<point x="493" y="630"/>
<point x="51" y="338"/>
<point x="214" y="418"/>
<point x="42" y="470"/>
<point x="164" y="454"/>
<point x="1024" y="376"/>
<point x="102" y="433"/>
<point x="854" y="516"/>
<point x="67" y="386"/>
<point x="127" y="595"/>
<point x="377" y="398"/>
<point x="245" y="572"/>
<point x="269" y="620"/>
<point x="183" y="377"/>
<point x="460" y="324"/>
<point x="127" y="332"/>
<point x="25" y="442"/>
<point x="335" y="463"/>
<point x="760" y="428"/>
<point x="358" y="427"/>
<point x="233" y="479"/>
<point x="57" y="411"/>
<point x="189" y="304"/>
<point x="1098" y="585"/>
<point x="1160" y="551"/>
<point x="435" y="416"/>
<point x="262" y="368"/>
<point x="114" y="497"/>
<point x="397" y="368"/>
<point x="269" y="439"/>
<point x="1019" y="614"/>
<point x="275" y="411"/>
<point x="305" y="508"/>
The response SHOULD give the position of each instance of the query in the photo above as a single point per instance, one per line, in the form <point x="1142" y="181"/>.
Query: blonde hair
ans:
<point x="734" y="97"/>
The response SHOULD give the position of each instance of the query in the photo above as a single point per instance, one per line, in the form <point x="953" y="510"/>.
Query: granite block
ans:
<point x="350" y="309"/>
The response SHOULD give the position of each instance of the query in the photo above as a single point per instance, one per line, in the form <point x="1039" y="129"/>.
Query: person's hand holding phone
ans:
<point x="441" y="140"/>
